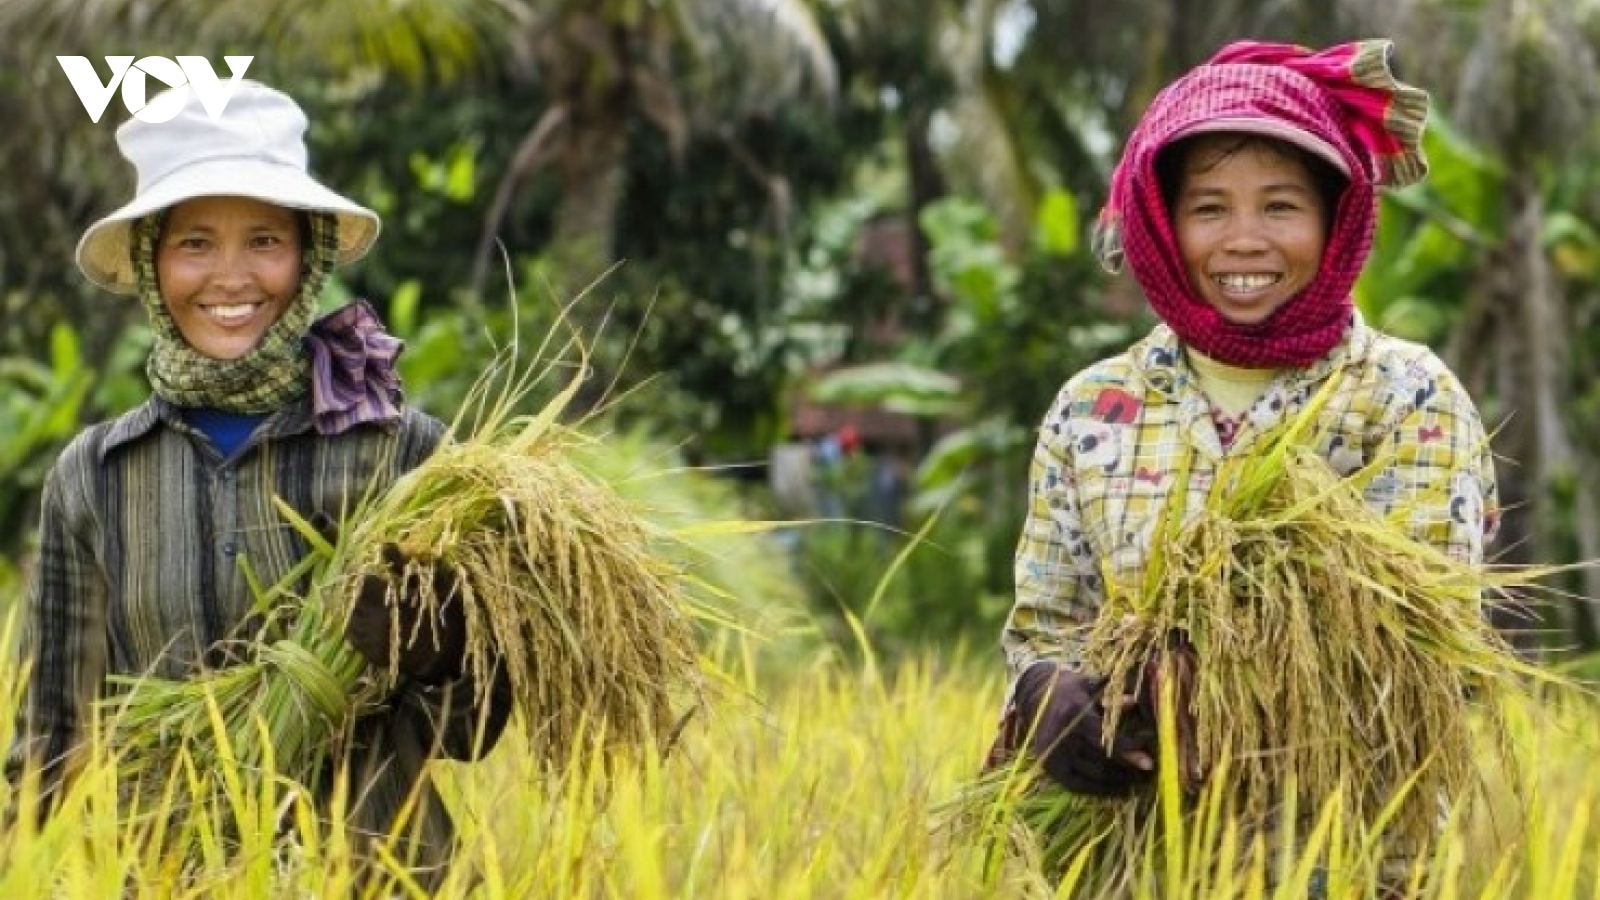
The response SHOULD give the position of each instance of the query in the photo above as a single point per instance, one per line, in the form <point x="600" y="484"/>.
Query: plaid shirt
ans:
<point x="144" y="532"/>
<point x="1110" y="446"/>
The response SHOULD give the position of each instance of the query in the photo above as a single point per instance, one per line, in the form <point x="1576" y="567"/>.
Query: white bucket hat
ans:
<point x="255" y="148"/>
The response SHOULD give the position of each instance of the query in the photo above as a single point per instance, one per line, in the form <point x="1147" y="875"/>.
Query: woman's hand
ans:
<point x="1062" y="712"/>
<point x="1175" y="669"/>
<point x="432" y="643"/>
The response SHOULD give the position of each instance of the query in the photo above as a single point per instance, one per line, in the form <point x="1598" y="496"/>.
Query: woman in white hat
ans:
<point x="151" y="521"/>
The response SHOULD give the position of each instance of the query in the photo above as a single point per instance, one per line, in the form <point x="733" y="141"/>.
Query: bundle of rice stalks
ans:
<point x="1169" y="844"/>
<point x="566" y="592"/>
<point x="1336" y="653"/>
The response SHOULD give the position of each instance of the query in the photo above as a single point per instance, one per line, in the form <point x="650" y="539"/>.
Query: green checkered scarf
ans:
<point x="276" y="372"/>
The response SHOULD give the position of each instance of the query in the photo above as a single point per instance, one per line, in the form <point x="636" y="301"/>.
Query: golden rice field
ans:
<point x="822" y="782"/>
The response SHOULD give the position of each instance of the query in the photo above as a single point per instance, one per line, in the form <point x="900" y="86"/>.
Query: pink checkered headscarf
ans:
<point x="1343" y="104"/>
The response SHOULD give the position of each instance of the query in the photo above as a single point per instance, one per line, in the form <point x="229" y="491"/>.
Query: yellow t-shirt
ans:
<point x="1230" y="389"/>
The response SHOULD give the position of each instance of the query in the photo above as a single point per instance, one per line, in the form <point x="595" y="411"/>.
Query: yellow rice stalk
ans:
<point x="565" y="589"/>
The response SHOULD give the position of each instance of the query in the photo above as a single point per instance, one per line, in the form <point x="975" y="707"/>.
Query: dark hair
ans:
<point x="1171" y="160"/>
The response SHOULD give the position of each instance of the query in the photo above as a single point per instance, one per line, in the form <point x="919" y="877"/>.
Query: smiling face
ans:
<point x="1251" y="224"/>
<point x="228" y="267"/>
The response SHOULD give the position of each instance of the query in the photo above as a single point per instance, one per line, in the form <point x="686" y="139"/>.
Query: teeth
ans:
<point x="233" y="311"/>
<point x="1246" y="282"/>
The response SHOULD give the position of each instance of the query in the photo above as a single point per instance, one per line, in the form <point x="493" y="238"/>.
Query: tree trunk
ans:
<point x="1586" y="609"/>
<point x="1522" y="619"/>
<point x="926" y="185"/>
<point x="1544" y="322"/>
<point x="592" y="168"/>
<point x="1532" y="351"/>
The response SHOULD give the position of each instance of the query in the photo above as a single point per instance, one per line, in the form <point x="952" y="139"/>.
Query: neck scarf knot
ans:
<point x="353" y="370"/>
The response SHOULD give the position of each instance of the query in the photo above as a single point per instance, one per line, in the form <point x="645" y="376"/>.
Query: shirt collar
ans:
<point x="1158" y="359"/>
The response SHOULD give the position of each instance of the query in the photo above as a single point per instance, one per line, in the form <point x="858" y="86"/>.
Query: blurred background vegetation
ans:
<point x="831" y="251"/>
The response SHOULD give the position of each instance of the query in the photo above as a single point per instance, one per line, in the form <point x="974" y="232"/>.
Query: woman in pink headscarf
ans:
<point x="1244" y="204"/>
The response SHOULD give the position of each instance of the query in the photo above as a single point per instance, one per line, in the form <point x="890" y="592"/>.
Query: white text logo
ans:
<point x="189" y="71"/>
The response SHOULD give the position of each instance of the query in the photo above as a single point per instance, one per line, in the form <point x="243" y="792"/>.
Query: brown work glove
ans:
<point x="432" y="645"/>
<point x="1061" y="711"/>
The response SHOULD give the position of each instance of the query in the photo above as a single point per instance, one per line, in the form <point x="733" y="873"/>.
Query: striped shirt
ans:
<point x="1109" y="450"/>
<point x="145" y="533"/>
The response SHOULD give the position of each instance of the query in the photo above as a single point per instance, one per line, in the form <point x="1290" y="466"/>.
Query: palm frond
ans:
<point x="419" y="40"/>
<point x="754" y="56"/>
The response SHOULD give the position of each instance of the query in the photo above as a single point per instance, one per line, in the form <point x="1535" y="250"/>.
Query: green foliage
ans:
<point x="968" y="261"/>
<point x="895" y="386"/>
<point x="424" y="171"/>
<point x="39" y="409"/>
<point x="741" y="209"/>
<point x="1430" y="238"/>
<point x="1056" y="233"/>
<point x="940" y="594"/>
<point x="943" y="476"/>
<point x="454" y="176"/>
<point x="40" y="404"/>
<point x="734" y="557"/>
<point x="698" y="302"/>
<point x="1015" y="330"/>
<point x="43" y="403"/>
<point x="1011" y="334"/>
<point x="1574" y="245"/>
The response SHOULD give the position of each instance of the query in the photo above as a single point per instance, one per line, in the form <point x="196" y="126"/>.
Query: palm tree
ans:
<point x="686" y="66"/>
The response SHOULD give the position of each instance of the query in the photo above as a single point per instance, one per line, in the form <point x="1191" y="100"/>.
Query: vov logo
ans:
<point x="194" y="72"/>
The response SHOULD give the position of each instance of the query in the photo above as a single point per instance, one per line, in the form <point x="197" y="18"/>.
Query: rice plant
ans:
<point x="830" y="784"/>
